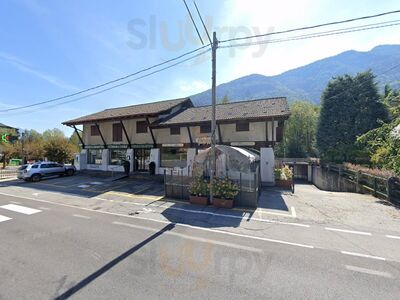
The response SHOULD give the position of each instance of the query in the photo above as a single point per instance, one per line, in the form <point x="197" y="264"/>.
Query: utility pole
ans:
<point x="214" y="47"/>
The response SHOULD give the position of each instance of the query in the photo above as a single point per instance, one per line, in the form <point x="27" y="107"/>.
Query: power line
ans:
<point x="317" y="34"/>
<point x="194" y="23"/>
<point x="118" y="85"/>
<point x="312" y="27"/>
<point x="106" y="83"/>
<point x="202" y="22"/>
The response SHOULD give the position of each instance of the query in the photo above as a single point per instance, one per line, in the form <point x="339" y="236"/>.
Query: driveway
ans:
<point x="312" y="205"/>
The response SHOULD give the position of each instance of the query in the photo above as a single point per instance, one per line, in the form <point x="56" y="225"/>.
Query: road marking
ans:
<point x="82" y="186"/>
<point x="21" y="209"/>
<point x="294" y="215"/>
<point x="369" y="271"/>
<point x="96" y="183"/>
<point x="348" y="231"/>
<point x="160" y="221"/>
<point x="198" y="239"/>
<point x="393" y="237"/>
<point x="15" y="202"/>
<point x="35" y="194"/>
<point x="363" y="255"/>
<point x="81" y="216"/>
<point x="4" y="218"/>
<point x="43" y="208"/>
<point x="207" y="213"/>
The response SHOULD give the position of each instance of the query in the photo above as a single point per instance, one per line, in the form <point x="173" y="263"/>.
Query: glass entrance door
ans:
<point x="142" y="158"/>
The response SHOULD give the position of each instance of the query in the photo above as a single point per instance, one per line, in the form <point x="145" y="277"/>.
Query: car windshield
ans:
<point x="23" y="167"/>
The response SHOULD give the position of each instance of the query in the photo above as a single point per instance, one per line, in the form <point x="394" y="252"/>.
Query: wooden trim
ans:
<point x="266" y="131"/>
<point x="126" y="134"/>
<point x="101" y="135"/>
<point x="219" y="134"/>
<point x="79" y="137"/>
<point x="190" y="136"/>
<point x="151" y="132"/>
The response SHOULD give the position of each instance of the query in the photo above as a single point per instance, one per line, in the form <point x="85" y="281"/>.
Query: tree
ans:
<point x="59" y="150"/>
<point x="350" y="107"/>
<point x="300" y="130"/>
<point x="74" y="140"/>
<point x="53" y="133"/>
<point x="224" y="100"/>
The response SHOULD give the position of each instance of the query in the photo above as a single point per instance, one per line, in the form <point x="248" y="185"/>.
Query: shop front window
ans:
<point x="95" y="156"/>
<point x="117" y="156"/>
<point x="173" y="157"/>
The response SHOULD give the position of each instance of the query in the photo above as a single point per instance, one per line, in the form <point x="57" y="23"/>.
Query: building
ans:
<point x="169" y="133"/>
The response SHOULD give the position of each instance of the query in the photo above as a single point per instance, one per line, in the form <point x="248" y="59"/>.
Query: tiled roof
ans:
<point x="5" y="126"/>
<point x="243" y="110"/>
<point x="129" y="111"/>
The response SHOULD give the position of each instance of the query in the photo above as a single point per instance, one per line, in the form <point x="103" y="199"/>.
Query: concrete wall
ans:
<point x="330" y="181"/>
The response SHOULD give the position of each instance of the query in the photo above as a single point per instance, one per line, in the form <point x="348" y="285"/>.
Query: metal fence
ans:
<point x="176" y="184"/>
<point x="388" y="188"/>
<point x="6" y="173"/>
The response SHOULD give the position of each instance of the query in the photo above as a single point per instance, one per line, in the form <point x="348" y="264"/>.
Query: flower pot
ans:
<point x="287" y="184"/>
<point x="223" y="203"/>
<point x="200" y="200"/>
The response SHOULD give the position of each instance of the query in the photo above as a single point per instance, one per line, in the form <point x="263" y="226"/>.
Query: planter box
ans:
<point x="200" y="200"/>
<point x="287" y="184"/>
<point x="222" y="203"/>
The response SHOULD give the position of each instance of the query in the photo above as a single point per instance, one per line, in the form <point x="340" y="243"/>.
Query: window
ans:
<point x="173" y="157"/>
<point x="94" y="131"/>
<point x="279" y="134"/>
<point x="141" y="127"/>
<point x="95" y="156"/>
<point x="117" y="156"/>
<point x="45" y="166"/>
<point x="205" y="128"/>
<point x="175" y="130"/>
<point x="35" y="166"/>
<point x="242" y="126"/>
<point x="117" y="132"/>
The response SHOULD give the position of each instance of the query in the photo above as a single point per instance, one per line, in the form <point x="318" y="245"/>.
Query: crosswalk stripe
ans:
<point x="3" y="218"/>
<point x="20" y="209"/>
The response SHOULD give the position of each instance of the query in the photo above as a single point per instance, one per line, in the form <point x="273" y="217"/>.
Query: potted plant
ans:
<point x="198" y="191"/>
<point x="224" y="192"/>
<point x="284" y="177"/>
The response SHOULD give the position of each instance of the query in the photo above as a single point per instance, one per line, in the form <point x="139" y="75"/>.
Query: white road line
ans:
<point x="160" y="221"/>
<point x="81" y="216"/>
<point x="393" y="237"/>
<point x="294" y="215"/>
<point x="211" y="213"/>
<point x="82" y="186"/>
<point x="96" y="183"/>
<point x="363" y="255"/>
<point x="369" y="271"/>
<point x="348" y="231"/>
<point x="21" y="209"/>
<point x="15" y="202"/>
<point x="4" y="218"/>
<point x="43" y="208"/>
<point x="198" y="239"/>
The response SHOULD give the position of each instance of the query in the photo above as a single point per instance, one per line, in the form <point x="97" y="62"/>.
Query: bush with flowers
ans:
<point x="225" y="188"/>
<point x="199" y="187"/>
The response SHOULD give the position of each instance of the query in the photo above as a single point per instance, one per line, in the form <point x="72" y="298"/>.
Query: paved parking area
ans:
<point x="345" y="209"/>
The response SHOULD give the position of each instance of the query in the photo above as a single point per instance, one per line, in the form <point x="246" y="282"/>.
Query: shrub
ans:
<point x="283" y="173"/>
<point x="225" y="188"/>
<point x="198" y="187"/>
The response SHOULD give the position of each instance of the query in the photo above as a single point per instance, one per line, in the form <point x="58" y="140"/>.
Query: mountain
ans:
<point x="309" y="81"/>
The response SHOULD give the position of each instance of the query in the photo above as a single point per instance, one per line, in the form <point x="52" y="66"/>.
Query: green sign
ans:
<point x="117" y="146"/>
<point x="94" y="146"/>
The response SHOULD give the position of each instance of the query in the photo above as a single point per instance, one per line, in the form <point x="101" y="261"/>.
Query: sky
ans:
<point x="49" y="49"/>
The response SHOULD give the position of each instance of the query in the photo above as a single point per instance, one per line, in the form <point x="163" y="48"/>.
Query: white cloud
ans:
<point x="30" y="69"/>
<point x="192" y="87"/>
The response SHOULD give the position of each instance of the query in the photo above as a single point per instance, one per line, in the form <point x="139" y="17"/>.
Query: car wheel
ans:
<point x="70" y="172"/>
<point x="36" y="177"/>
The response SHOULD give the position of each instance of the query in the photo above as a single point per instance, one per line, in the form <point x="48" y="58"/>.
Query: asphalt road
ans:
<point x="50" y="251"/>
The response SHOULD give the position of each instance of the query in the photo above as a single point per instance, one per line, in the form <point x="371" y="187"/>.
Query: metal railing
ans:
<point x="388" y="188"/>
<point x="6" y="173"/>
<point x="176" y="183"/>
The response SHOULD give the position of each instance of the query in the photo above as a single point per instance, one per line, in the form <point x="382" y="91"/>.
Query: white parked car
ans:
<point x="35" y="172"/>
